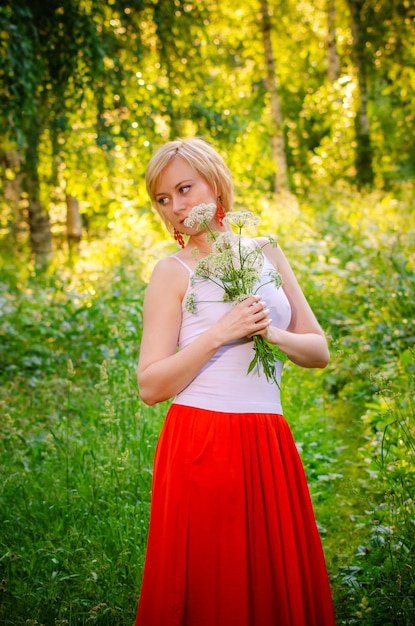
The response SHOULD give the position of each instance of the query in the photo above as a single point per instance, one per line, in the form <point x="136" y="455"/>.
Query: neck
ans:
<point x="202" y="244"/>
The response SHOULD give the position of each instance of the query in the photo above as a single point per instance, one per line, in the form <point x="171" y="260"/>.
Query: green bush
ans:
<point x="77" y="445"/>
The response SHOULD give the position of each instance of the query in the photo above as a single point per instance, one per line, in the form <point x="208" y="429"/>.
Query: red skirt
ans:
<point x="232" y="539"/>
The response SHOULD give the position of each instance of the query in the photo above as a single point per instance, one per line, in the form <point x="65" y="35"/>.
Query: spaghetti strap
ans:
<point x="183" y="263"/>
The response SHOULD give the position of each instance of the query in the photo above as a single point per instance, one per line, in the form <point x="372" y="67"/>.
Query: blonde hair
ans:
<point x="202" y="157"/>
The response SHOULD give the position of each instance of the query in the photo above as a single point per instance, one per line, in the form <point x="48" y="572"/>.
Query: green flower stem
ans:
<point x="267" y="354"/>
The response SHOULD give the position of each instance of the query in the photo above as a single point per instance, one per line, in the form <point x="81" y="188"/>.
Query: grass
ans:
<point x="77" y="444"/>
<point x="75" y="501"/>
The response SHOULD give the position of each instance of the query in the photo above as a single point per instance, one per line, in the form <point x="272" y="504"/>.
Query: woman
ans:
<point x="232" y="539"/>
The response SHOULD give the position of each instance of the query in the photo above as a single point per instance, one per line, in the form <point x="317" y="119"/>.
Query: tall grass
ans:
<point x="77" y="445"/>
<point x="75" y="502"/>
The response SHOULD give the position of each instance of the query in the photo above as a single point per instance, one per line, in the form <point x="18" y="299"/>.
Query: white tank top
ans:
<point x="223" y="383"/>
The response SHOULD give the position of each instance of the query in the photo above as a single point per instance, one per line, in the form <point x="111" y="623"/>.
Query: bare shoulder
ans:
<point x="163" y="308"/>
<point x="272" y="251"/>
<point x="169" y="275"/>
<point x="168" y="267"/>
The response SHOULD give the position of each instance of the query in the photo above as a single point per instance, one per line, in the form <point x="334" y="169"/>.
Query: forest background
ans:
<point x="312" y="105"/>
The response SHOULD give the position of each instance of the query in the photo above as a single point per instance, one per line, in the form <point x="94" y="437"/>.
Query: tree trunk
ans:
<point x="333" y="61"/>
<point x="11" y="162"/>
<point x="277" y="137"/>
<point x="39" y="224"/>
<point x="363" y="157"/>
<point x="73" y="223"/>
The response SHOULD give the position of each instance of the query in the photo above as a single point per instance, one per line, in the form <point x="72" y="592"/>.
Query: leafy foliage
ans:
<point x="90" y="88"/>
<point x="77" y="444"/>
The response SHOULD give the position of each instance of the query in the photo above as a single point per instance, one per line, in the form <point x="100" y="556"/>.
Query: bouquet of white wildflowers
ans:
<point x="235" y="265"/>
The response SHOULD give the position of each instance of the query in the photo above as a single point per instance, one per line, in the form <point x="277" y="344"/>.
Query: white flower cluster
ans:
<point x="223" y="241"/>
<point x="190" y="303"/>
<point x="241" y="219"/>
<point x="276" y="278"/>
<point x="215" y="265"/>
<point x="200" y="214"/>
<point x="245" y="253"/>
<point x="235" y="263"/>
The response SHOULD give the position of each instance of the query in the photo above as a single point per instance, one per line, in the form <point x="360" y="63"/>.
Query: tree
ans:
<point x="390" y="53"/>
<point x="63" y="54"/>
<point x="89" y="88"/>
<point x="277" y="137"/>
<point x="52" y="53"/>
<point x="364" y="152"/>
<point x="333" y="61"/>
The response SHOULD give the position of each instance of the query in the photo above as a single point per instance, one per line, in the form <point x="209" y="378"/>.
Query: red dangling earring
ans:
<point x="220" y="213"/>
<point x="178" y="237"/>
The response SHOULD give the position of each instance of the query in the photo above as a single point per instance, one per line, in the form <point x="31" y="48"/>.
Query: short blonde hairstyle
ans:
<point x="202" y="157"/>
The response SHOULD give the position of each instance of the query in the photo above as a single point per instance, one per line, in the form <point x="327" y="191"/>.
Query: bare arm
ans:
<point x="304" y="342"/>
<point x="162" y="370"/>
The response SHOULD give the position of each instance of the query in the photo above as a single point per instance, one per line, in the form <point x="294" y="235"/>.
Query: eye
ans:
<point x="162" y="201"/>
<point x="184" y="189"/>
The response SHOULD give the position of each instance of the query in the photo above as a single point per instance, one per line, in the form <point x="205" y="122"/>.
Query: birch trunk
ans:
<point x="277" y="137"/>
<point x="333" y="61"/>
<point x="39" y="223"/>
<point x="73" y="223"/>
<point x="11" y="162"/>
<point x="363" y="157"/>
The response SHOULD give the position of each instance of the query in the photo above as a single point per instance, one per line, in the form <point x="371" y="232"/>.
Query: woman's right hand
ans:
<point x="245" y="319"/>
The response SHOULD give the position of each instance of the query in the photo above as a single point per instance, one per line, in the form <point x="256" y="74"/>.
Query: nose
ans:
<point x="178" y="204"/>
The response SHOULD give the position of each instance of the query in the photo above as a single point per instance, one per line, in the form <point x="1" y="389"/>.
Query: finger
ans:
<point x="248" y="302"/>
<point x="263" y="310"/>
<point x="261" y="329"/>
<point x="263" y="305"/>
<point x="260" y="326"/>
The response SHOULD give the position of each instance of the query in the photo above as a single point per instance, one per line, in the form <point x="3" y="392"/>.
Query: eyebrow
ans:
<point x="180" y="184"/>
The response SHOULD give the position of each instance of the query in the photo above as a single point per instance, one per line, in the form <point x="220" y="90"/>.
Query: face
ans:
<point x="178" y="190"/>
